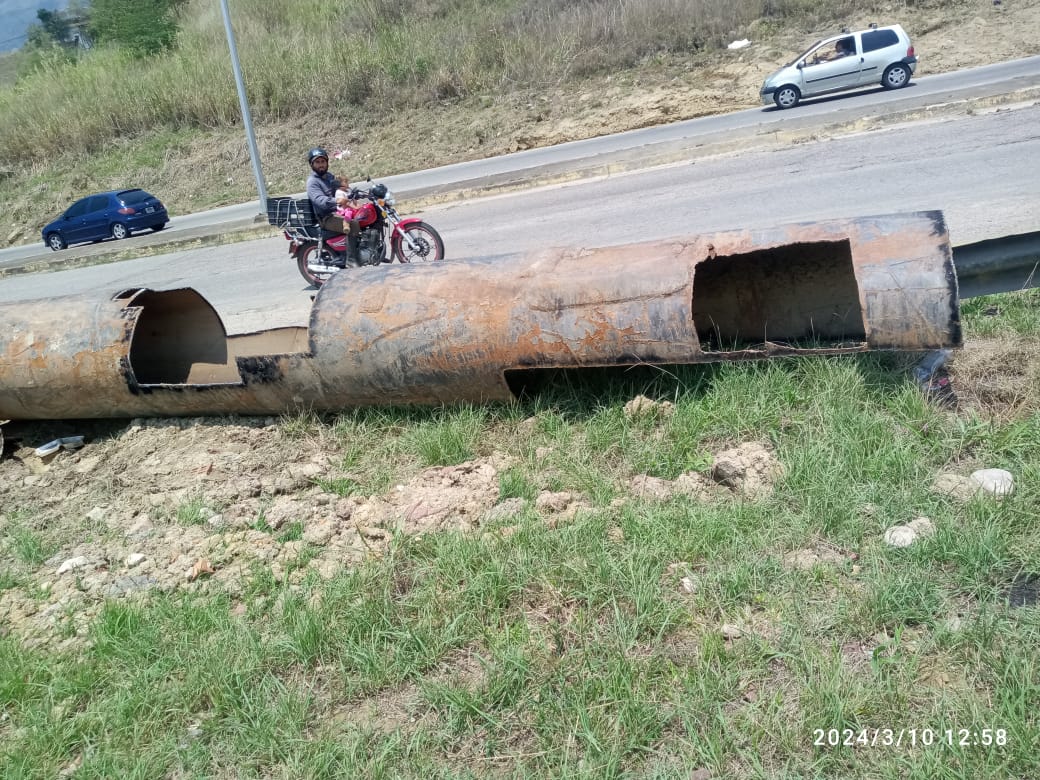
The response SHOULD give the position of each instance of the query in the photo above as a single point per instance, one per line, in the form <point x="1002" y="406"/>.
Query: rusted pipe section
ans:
<point x="472" y="330"/>
<point x="141" y="353"/>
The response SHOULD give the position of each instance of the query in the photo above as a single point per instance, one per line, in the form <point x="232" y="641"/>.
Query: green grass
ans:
<point x="993" y="315"/>
<point x="9" y="579"/>
<point x="572" y="650"/>
<point x="513" y="483"/>
<point x="448" y="438"/>
<point x="193" y="509"/>
<point x="28" y="546"/>
<point x="9" y="65"/>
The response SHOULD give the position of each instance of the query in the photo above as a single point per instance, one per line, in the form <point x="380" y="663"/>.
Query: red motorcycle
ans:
<point x="384" y="235"/>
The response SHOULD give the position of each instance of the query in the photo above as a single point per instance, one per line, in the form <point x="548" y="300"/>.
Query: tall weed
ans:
<point x="308" y="57"/>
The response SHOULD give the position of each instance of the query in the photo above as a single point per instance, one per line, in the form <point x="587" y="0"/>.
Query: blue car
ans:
<point x="95" y="217"/>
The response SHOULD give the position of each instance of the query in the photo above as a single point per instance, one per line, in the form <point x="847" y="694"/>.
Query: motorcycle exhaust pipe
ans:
<point x="476" y="330"/>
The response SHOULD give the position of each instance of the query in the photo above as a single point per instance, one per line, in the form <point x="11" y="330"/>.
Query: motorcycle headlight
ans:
<point x="389" y="199"/>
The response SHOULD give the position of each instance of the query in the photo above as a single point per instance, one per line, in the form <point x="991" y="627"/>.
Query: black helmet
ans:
<point x="315" y="153"/>
<point x="379" y="191"/>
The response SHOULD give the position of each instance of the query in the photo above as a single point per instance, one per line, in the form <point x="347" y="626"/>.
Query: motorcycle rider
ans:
<point x="321" y="190"/>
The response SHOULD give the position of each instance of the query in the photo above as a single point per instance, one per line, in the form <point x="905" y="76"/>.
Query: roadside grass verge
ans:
<point x="638" y="639"/>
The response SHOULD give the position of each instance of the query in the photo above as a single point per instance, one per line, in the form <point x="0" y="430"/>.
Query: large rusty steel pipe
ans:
<point x="471" y="330"/>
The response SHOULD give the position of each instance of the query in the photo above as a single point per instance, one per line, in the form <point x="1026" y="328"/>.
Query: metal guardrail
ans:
<point x="998" y="265"/>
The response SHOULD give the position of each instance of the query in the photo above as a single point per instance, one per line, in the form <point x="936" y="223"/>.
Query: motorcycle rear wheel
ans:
<point x="305" y="255"/>
<point x="430" y="245"/>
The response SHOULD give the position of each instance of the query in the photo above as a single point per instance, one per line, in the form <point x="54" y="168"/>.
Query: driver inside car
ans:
<point x="842" y="48"/>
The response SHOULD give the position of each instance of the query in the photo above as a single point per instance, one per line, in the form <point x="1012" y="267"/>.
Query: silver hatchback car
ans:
<point x="878" y="55"/>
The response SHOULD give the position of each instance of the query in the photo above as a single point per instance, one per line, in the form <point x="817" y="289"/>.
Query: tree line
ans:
<point x="140" y="28"/>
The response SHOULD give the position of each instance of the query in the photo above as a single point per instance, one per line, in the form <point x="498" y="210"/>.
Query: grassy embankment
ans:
<point x="574" y="651"/>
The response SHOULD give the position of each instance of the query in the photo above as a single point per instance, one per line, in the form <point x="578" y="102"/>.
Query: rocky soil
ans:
<point x="160" y="505"/>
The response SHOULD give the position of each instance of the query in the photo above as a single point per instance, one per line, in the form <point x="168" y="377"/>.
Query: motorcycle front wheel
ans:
<point x="429" y="247"/>
<point x="306" y="257"/>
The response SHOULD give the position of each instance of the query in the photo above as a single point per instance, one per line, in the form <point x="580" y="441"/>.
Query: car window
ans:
<point x="820" y="47"/>
<point x="78" y="209"/>
<point x="831" y="50"/>
<point x="879" y="39"/>
<point x="803" y="55"/>
<point x="97" y="203"/>
<point x="131" y="197"/>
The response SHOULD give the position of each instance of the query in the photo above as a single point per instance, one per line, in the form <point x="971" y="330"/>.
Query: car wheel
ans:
<point x="119" y="231"/>
<point x="56" y="242"/>
<point x="157" y="228"/>
<point x="787" y="96"/>
<point x="896" y="76"/>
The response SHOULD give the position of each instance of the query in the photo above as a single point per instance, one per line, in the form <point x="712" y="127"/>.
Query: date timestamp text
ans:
<point x="906" y="737"/>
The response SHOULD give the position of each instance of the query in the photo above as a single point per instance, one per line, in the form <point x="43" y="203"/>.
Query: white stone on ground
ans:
<point x="996" y="482"/>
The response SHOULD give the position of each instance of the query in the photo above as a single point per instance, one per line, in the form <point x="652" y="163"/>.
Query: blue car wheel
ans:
<point x="55" y="241"/>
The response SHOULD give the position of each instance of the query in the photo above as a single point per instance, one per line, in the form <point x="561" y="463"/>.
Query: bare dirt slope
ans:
<point x="662" y="91"/>
<point x="162" y="505"/>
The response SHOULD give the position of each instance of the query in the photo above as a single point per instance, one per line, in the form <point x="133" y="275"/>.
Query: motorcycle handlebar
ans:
<point x="356" y="193"/>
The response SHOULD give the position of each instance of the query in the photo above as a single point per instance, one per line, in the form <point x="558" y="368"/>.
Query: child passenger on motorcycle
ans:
<point x="345" y="207"/>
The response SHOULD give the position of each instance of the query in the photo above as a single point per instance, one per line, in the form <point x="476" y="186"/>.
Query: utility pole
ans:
<point x="254" y="155"/>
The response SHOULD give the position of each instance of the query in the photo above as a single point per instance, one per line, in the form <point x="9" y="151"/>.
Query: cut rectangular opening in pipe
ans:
<point x="802" y="293"/>
<point x="179" y="339"/>
<point x="277" y="341"/>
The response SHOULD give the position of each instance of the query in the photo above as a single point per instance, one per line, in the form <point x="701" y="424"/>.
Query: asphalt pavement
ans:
<point x="950" y="93"/>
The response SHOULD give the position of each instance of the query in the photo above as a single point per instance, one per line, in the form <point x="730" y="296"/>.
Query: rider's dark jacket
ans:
<point x="321" y="191"/>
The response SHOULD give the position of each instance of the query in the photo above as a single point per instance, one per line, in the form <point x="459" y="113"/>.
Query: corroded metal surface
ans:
<point x="139" y="353"/>
<point x="463" y="331"/>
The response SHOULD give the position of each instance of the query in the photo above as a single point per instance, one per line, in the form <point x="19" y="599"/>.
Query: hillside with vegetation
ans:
<point x="403" y="85"/>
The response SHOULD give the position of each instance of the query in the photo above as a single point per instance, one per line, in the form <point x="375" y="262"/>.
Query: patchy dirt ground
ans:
<point x="213" y="503"/>
<point x="158" y="505"/>
<point x="215" y="169"/>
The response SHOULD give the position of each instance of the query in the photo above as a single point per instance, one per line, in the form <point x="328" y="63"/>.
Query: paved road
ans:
<point x="631" y="147"/>
<point x="982" y="170"/>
